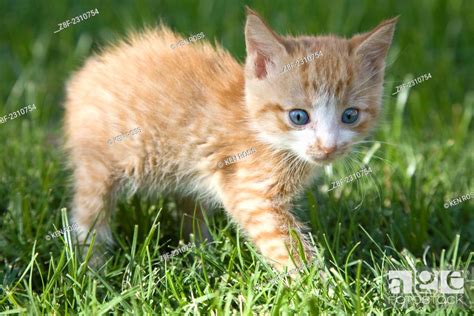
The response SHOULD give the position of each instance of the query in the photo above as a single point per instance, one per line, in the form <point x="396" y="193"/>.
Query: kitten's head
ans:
<point x="328" y="99"/>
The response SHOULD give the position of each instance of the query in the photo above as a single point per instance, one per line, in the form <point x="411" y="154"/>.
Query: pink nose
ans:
<point x="328" y="150"/>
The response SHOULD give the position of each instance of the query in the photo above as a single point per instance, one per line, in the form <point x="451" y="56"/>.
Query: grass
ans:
<point x="394" y="219"/>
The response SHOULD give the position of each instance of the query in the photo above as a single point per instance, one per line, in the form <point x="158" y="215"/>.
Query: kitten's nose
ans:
<point x="328" y="150"/>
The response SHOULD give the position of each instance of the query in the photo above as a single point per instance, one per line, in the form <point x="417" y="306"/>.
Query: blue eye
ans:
<point x="350" y="115"/>
<point x="299" y="117"/>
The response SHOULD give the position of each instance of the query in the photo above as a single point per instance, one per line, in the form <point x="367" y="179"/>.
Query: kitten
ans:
<point x="196" y="106"/>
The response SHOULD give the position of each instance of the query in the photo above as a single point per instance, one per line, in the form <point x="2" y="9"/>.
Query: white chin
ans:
<point x="323" y="161"/>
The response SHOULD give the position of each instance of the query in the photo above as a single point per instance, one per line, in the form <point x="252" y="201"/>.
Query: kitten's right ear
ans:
<point x="372" y="47"/>
<point x="263" y="45"/>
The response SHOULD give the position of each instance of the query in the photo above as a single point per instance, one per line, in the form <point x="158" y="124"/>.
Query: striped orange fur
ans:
<point x="196" y="106"/>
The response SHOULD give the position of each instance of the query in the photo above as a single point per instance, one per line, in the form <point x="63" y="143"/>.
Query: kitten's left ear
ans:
<point x="372" y="47"/>
<point x="263" y="45"/>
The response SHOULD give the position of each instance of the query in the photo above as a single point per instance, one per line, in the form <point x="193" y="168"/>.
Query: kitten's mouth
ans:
<point x="326" y="159"/>
<point x="323" y="160"/>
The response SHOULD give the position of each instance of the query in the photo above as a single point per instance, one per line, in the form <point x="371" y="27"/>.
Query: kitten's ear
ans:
<point x="263" y="45"/>
<point x="372" y="47"/>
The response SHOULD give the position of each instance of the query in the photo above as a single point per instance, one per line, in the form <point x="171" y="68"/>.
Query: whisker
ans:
<point x="388" y="162"/>
<point x="376" y="141"/>
<point x="359" y="189"/>
<point x="377" y="188"/>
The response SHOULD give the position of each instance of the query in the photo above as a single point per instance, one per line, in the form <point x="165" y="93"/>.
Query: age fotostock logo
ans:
<point x="438" y="287"/>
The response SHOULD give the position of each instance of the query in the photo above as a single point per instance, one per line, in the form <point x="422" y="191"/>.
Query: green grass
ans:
<point x="421" y="156"/>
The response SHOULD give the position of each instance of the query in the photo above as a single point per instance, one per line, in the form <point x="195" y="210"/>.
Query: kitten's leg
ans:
<point x="91" y="209"/>
<point x="267" y="224"/>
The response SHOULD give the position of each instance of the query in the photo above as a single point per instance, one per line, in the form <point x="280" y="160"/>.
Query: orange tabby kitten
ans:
<point x="246" y="137"/>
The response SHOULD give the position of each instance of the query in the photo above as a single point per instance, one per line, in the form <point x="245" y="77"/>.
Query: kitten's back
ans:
<point x="180" y="98"/>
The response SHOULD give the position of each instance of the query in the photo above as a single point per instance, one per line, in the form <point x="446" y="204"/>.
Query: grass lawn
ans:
<point x="394" y="218"/>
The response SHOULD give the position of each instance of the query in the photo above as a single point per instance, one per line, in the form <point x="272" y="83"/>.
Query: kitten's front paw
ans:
<point x="312" y="258"/>
<point x="102" y="241"/>
<point x="98" y="257"/>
